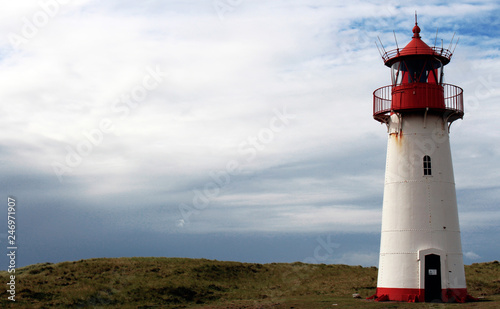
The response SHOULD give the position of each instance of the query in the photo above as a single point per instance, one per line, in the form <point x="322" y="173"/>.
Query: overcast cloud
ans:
<point x="234" y="130"/>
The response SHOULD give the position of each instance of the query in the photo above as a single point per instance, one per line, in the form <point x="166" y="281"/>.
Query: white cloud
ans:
<point x="471" y="255"/>
<point x="224" y="79"/>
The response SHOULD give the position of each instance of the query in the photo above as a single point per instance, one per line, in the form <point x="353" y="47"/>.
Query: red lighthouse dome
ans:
<point x="417" y="47"/>
<point x="417" y="82"/>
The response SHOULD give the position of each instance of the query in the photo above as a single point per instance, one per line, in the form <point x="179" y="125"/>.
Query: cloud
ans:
<point x="471" y="255"/>
<point x="224" y="80"/>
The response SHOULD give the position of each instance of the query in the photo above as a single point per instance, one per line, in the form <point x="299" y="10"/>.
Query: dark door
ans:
<point x="432" y="278"/>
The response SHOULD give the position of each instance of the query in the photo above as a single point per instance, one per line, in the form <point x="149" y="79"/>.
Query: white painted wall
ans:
<point x="420" y="213"/>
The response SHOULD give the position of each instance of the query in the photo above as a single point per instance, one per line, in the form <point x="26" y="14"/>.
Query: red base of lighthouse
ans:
<point x="418" y="295"/>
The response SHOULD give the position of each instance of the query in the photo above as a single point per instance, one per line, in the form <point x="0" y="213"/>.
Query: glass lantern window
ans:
<point x="417" y="71"/>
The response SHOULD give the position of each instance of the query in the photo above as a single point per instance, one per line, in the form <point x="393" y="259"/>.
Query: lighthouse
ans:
<point x="420" y="250"/>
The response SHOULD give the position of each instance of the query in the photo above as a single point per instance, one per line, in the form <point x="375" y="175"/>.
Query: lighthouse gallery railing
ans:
<point x="382" y="100"/>
<point x="413" y="51"/>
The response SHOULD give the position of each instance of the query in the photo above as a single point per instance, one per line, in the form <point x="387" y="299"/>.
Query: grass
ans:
<point x="199" y="283"/>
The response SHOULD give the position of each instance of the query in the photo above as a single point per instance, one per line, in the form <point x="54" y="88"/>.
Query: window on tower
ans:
<point x="427" y="166"/>
<point x="417" y="71"/>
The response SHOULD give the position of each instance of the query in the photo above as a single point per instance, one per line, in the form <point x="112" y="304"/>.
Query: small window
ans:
<point x="427" y="166"/>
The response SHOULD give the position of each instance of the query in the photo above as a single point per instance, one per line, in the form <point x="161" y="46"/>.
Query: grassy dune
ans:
<point x="189" y="283"/>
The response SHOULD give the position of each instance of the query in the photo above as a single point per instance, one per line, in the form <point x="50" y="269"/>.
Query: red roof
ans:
<point x="416" y="47"/>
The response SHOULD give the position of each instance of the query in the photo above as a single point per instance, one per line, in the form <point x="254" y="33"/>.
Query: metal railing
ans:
<point x="453" y="100"/>
<point x="382" y="100"/>
<point x="443" y="52"/>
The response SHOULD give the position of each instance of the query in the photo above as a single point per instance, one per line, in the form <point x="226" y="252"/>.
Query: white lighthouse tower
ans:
<point x="420" y="250"/>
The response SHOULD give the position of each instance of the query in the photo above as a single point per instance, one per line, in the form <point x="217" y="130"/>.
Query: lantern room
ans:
<point x="417" y="70"/>
<point x="417" y="82"/>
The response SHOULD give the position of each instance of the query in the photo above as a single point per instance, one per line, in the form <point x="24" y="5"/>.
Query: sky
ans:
<point x="233" y="130"/>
